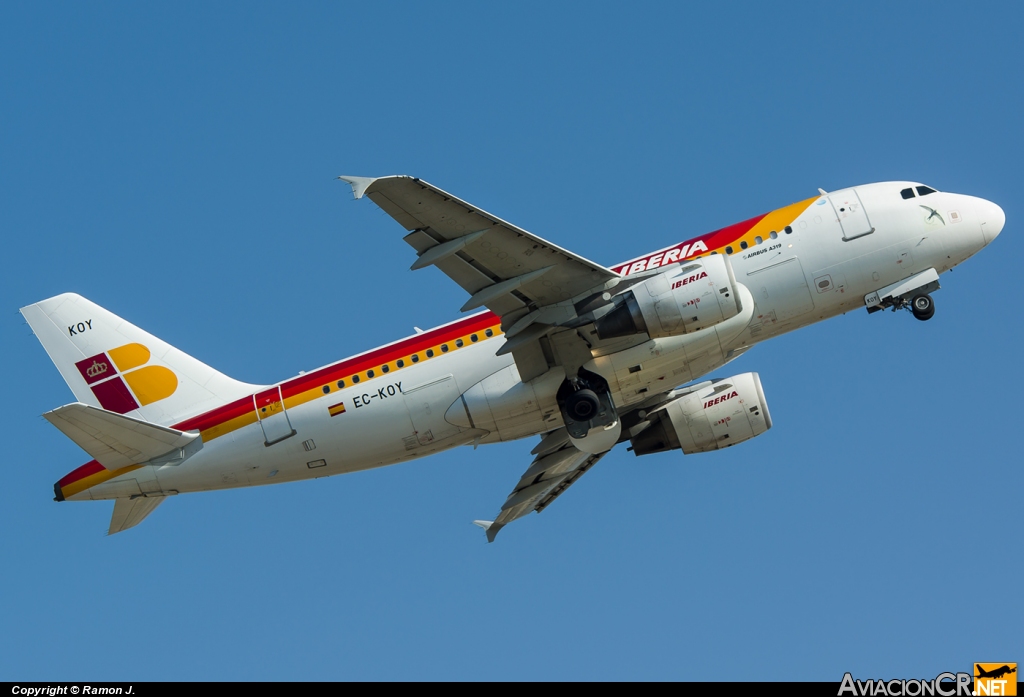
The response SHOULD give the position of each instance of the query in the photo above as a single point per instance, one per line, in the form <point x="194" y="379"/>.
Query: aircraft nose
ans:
<point x="992" y="220"/>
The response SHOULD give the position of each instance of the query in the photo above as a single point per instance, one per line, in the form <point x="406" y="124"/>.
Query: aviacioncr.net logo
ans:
<point x="943" y="685"/>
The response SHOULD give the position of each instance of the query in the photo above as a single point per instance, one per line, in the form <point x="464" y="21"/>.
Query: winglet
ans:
<point x="359" y="184"/>
<point x="489" y="527"/>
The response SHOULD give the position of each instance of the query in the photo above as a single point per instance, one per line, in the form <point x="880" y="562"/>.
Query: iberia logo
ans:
<point x="719" y="400"/>
<point x="122" y="381"/>
<point x="995" y="679"/>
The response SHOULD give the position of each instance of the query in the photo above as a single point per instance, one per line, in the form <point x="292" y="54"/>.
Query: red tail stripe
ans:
<point x="81" y="473"/>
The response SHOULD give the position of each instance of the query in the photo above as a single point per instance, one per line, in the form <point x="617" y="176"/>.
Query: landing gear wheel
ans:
<point x="582" y="405"/>
<point x="922" y="306"/>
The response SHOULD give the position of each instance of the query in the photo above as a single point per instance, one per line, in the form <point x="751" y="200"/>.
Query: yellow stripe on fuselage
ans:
<point x="228" y="426"/>
<point x="94" y="479"/>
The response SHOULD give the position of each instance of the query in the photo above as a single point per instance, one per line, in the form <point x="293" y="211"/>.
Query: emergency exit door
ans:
<point x="853" y="218"/>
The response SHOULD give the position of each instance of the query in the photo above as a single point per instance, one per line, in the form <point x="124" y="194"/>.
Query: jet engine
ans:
<point x="724" y="413"/>
<point x="695" y="295"/>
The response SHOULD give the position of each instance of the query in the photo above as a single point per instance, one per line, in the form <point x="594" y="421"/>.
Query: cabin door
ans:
<point x="853" y="218"/>
<point x="272" y="416"/>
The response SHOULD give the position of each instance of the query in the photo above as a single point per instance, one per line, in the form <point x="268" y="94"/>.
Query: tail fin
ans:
<point x="110" y="363"/>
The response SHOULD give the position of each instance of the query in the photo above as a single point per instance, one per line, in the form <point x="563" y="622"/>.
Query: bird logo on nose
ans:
<point x="932" y="214"/>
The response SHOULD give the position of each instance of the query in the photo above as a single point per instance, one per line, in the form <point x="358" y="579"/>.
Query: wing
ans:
<point x="503" y="267"/>
<point x="558" y="466"/>
<point x="530" y="283"/>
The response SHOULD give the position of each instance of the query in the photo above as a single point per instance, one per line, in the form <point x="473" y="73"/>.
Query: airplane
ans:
<point x="994" y="673"/>
<point x="560" y="348"/>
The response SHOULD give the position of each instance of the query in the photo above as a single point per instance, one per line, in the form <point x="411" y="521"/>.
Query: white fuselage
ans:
<point x="470" y="395"/>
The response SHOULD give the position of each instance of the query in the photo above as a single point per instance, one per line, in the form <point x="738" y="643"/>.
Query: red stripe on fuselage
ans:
<point x="711" y="241"/>
<point x="347" y="367"/>
<point x="720" y="238"/>
<point x="387" y="354"/>
<point x="84" y="471"/>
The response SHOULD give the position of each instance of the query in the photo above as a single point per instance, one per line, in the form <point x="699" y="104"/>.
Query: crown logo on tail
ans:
<point x="95" y="369"/>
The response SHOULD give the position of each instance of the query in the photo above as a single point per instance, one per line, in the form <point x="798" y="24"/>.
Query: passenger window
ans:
<point x="728" y="250"/>
<point x="430" y="353"/>
<point x="489" y="332"/>
<point x="385" y="368"/>
<point x="773" y="234"/>
<point x="907" y="193"/>
<point x="743" y="244"/>
<point x="474" y="338"/>
<point x="789" y="230"/>
<point x="369" y="373"/>
<point x="924" y="191"/>
<point x="444" y="348"/>
<point x="355" y="379"/>
<point x="341" y="383"/>
<point x="327" y="389"/>
<point x="400" y="363"/>
<point x="758" y="240"/>
<point x="415" y="358"/>
<point x="459" y="343"/>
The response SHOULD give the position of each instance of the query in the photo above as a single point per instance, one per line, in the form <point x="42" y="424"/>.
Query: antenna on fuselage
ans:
<point x="822" y="191"/>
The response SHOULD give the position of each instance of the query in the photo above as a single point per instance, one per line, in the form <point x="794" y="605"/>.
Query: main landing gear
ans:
<point x="588" y="412"/>
<point x="582" y="405"/>
<point x="922" y="306"/>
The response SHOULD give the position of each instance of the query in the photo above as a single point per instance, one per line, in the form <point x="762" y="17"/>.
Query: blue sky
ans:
<point x="175" y="164"/>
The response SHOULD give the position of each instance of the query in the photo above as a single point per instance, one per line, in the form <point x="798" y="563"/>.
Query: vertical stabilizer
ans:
<point x="112" y="364"/>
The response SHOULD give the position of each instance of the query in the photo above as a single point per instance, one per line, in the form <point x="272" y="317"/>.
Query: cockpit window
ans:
<point x="907" y="193"/>
<point x="924" y="191"/>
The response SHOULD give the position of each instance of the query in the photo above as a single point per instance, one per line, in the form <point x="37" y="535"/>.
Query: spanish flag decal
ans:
<point x="338" y="408"/>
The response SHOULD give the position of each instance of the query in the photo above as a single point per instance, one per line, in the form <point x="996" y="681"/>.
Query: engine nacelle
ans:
<point x="698" y="294"/>
<point x="724" y="413"/>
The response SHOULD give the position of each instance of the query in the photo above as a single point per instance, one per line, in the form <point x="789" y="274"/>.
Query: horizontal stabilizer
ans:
<point x="117" y="441"/>
<point x="130" y="512"/>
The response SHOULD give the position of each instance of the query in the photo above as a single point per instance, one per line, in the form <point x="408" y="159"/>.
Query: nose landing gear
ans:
<point x="922" y="306"/>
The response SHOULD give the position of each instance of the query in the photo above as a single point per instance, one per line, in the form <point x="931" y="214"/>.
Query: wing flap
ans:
<point x="117" y="441"/>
